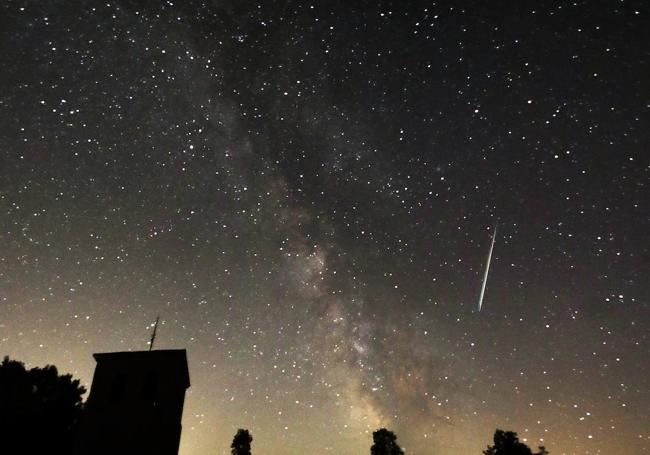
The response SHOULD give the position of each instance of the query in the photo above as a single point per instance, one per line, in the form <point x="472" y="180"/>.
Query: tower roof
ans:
<point x="175" y="358"/>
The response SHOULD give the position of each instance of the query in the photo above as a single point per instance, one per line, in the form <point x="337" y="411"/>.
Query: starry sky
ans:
<point x="305" y="192"/>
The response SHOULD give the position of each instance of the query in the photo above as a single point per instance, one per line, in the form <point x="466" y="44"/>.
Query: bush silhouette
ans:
<point x="385" y="443"/>
<point x="39" y="410"/>
<point x="507" y="443"/>
<point x="241" y="443"/>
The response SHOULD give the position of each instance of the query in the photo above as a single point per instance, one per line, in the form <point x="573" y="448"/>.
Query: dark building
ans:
<point x="135" y="404"/>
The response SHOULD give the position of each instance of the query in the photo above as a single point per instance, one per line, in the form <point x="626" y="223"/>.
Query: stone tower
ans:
<point x="135" y="404"/>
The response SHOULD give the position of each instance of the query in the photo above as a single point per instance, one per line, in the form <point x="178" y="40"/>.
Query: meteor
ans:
<point x="487" y="269"/>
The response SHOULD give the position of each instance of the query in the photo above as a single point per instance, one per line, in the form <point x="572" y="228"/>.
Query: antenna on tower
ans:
<point x="153" y="335"/>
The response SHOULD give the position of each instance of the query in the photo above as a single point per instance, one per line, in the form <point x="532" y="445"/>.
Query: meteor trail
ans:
<point x="487" y="269"/>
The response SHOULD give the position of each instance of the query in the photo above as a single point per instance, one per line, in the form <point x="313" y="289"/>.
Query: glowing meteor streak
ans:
<point x="487" y="269"/>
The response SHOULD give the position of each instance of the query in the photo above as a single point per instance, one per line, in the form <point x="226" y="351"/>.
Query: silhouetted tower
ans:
<point x="135" y="404"/>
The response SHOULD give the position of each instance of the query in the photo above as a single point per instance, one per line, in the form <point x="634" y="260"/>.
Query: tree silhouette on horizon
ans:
<point x="39" y="409"/>
<point x="385" y="443"/>
<point x="507" y="443"/>
<point x="241" y="443"/>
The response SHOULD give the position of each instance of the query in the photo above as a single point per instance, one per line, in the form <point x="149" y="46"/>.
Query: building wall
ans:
<point x="135" y="404"/>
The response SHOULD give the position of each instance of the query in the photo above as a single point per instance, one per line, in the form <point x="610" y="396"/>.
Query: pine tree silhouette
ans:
<point x="385" y="443"/>
<point x="507" y="443"/>
<point x="241" y="443"/>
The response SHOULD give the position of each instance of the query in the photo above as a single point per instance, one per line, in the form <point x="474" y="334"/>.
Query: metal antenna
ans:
<point x="153" y="335"/>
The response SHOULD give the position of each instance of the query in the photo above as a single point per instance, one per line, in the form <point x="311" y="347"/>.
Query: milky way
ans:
<point x="304" y="193"/>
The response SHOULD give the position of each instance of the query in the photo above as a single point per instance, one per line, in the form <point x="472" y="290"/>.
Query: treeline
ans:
<point x="40" y="411"/>
<point x="385" y="443"/>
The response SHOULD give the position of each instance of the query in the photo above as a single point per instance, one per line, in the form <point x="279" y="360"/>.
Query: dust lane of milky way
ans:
<point x="301" y="190"/>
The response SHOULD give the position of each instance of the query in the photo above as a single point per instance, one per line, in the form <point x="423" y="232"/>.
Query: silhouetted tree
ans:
<point x="39" y="410"/>
<point x="385" y="443"/>
<point x="241" y="443"/>
<point x="507" y="443"/>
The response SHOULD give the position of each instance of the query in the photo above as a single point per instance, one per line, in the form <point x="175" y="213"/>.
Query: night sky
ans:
<point x="306" y="194"/>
